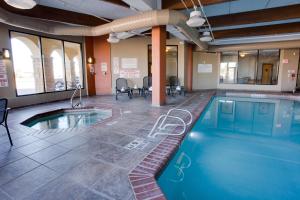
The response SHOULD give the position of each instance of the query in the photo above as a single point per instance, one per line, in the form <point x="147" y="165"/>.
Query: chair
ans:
<point x="147" y="85"/>
<point x="122" y="87"/>
<point x="175" y="87"/>
<point x="3" y="117"/>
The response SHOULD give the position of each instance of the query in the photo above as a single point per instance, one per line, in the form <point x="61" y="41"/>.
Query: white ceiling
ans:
<point x="92" y="7"/>
<point x="244" y="6"/>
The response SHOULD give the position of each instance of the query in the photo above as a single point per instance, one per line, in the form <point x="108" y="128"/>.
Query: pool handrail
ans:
<point x="79" y="104"/>
<point x="163" y="126"/>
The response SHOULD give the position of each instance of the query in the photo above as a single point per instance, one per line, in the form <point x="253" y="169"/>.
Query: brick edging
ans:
<point x="143" y="177"/>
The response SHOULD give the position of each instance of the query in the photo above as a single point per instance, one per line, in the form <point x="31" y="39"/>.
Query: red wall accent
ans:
<point x="158" y="65"/>
<point x="189" y="69"/>
<point x="89" y="52"/>
<point x="102" y="54"/>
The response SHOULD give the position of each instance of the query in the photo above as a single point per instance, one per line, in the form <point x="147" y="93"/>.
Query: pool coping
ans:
<point x="115" y="115"/>
<point x="143" y="177"/>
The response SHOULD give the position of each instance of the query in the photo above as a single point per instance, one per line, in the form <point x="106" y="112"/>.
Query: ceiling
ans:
<point x="232" y="21"/>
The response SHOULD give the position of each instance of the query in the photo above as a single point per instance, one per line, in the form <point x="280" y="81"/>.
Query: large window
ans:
<point x="250" y="67"/>
<point x="27" y="63"/>
<point x="45" y="65"/>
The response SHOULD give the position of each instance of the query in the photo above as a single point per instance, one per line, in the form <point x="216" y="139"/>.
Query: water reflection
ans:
<point x="70" y="119"/>
<point x="253" y="116"/>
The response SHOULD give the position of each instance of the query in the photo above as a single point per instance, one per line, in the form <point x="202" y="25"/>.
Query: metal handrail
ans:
<point x="163" y="126"/>
<point x="79" y="104"/>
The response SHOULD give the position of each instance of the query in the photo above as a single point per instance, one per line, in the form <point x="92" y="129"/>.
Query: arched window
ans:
<point x="27" y="64"/>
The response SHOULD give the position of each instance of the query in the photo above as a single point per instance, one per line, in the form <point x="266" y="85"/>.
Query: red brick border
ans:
<point x="142" y="177"/>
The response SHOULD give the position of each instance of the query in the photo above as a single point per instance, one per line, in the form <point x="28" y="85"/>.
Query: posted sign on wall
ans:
<point x="3" y="75"/>
<point x="204" y="68"/>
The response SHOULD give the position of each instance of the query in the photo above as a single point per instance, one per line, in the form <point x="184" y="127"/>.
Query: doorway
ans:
<point x="171" y="60"/>
<point x="267" y="72"/>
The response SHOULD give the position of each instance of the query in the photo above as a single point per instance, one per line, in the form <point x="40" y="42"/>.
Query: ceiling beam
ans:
<point x="178" y="5"/>
<point x="251" y="17"/>
<point x="54" y="14"/>
<point x="261" y="30"/>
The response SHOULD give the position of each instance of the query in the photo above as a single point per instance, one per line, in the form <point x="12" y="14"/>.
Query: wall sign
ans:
<point x="204" y="68"/>
<point x="3" y="75"/>
<point x="104" y="67"/>
<point x="129" y="63"/>
<point x="129" y="73"/>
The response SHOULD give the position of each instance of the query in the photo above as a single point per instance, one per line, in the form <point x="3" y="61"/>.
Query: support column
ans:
<point x="89" y="52"/>
<point x="189" y="68"/>
<point x="158" y="65"/>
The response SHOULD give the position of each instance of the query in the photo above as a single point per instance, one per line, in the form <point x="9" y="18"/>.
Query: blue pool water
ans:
<point x="73" y="119"/>
<point x="240" y="148"/>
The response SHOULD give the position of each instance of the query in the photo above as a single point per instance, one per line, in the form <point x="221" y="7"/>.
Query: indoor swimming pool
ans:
<point x="240" y="148"/>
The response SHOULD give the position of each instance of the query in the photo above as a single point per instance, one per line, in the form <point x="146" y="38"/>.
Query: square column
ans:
<point x="158" y="65"/>
<point x="189" y="68"/>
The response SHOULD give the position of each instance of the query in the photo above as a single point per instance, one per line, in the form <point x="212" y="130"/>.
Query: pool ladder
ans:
<point x="78" y="104"/>
<point x="163" y="128"/>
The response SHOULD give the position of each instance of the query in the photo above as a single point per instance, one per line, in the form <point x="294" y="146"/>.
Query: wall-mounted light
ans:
<point x="5" y="53"/>
<point x="91" y="60"/>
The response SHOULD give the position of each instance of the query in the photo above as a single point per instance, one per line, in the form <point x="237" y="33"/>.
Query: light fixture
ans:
<point x="5" y="54"/>
<point x="91" y="60"/>
<point x="206" y="37"/>
<point x="242" y="54"/>
<point x="195" y="19"/>
<point x="21" y="4"/>
<point x="113" y="38"/>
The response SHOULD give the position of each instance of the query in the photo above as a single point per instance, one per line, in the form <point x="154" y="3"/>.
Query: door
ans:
<point x="267" y="70"/>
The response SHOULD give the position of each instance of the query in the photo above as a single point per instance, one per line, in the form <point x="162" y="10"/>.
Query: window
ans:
<point x="250" y="67"/>
<point x="53" y="60"/>
<point x="228" y="67"/>
<point x="44" y="64"/>
<point x="73" y="62"/>
<point x="267" y="68"/>
<point x="27" y="63"/>
<point x="247" y="67"/>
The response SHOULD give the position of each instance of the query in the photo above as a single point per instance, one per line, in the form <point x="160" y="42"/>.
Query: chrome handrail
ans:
<point x="162" y="127"/>
<point x="79" y="104"/>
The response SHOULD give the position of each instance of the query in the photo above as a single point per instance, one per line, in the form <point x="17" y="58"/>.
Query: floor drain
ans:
<point x="137" y="144"/>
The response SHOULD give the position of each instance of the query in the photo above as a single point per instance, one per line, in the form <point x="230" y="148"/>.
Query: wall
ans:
<point x="138" y="48"/>
<point x="10" y="92"/>
<point x="205" y="80"/>
<point x="292" y="56"/>
<point x="102" y="53"/>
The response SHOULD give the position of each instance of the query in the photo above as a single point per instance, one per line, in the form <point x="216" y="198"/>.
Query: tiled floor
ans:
<point x="85" y="163"/>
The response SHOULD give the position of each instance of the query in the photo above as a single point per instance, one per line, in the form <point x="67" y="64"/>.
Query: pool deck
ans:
<point x="85" y="163"/>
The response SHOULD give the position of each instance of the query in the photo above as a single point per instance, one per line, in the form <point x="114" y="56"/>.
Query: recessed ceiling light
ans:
<point x="195" y="19"/>
<point x="206" y="37"/>
<point x="21" y="4"/>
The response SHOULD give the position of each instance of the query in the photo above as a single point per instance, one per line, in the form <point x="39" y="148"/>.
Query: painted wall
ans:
<point x="10" y="92"/>
<point x="205" y="80"/>
<point x="138" y="48"/>
<point x="102" y="53"/>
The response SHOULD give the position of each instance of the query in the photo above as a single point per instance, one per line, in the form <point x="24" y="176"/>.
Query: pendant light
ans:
<point x="21" y="4"/>
<point x="195" y="19"/>
<point x="113" y="38"/>
<point x="206" y="37"/>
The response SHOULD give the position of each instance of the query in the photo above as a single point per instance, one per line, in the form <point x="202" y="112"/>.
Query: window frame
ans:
<point x="41" y="53"/>
<point x="256" y="67"/>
